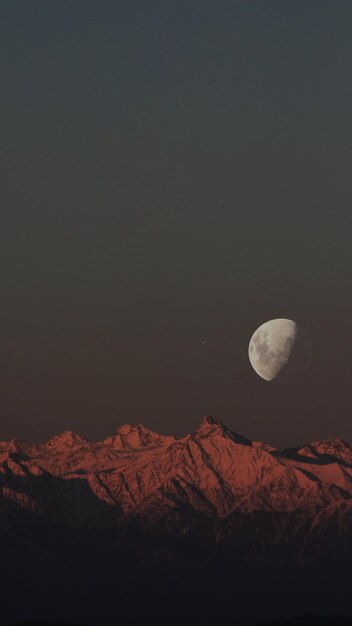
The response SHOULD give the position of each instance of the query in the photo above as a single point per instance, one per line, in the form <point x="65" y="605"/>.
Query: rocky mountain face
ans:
<point x="194" y="517"/>
<point x="212" y="484"/>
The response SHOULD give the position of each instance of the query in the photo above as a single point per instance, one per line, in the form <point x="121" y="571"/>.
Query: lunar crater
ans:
<point x="279" y="350"/>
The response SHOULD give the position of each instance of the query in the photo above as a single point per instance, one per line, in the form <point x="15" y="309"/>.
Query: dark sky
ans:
<point x="173" y="173"/>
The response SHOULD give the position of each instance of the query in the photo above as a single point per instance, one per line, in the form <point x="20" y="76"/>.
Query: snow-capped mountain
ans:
<point x="204" y="514"/>
<point x="207" y="478"/>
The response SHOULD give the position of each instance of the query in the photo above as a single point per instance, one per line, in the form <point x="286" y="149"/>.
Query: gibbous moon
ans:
<point x="279" y="350"/>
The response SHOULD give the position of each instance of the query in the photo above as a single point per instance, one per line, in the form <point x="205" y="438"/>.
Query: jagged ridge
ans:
<point x="158" y="481"/>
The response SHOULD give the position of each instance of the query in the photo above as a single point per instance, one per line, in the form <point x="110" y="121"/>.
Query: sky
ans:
<point x="173" y="174"/>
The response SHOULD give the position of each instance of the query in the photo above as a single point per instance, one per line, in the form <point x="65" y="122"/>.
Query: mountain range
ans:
<point x="206" y="511"/>
<point x="213" y="472"/>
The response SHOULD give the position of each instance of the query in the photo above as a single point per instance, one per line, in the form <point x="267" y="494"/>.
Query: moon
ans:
<point x="279" y="350"/>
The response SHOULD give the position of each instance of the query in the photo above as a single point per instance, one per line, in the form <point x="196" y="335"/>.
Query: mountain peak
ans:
<point x="333" y="447"/>
<point x="211" y="421"/>
<point x="213" y="425"/>
<point x="139" y="436"/>
<point x="332" y="441"/>
<point x="67" y="439"/>
<point x="14" y="445"/>
<point x="126" y="429"/>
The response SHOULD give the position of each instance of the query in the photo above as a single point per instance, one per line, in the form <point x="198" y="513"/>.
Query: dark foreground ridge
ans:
<point x="142" y="525"/>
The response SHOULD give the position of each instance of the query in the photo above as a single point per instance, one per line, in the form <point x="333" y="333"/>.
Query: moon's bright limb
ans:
<point x="277" y="349"/>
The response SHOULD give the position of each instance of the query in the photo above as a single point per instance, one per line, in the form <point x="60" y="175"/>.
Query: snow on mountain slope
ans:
<point x="333" y="448"/>
<point x="136" y="437"/>
<point x="139" y="475"/>
<point x="67" y="440"/>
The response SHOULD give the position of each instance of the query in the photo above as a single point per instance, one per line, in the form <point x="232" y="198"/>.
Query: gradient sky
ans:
<point x="173" y="173"/>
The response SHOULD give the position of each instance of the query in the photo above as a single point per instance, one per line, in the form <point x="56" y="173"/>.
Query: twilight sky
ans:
<point x="173" y="174"/>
